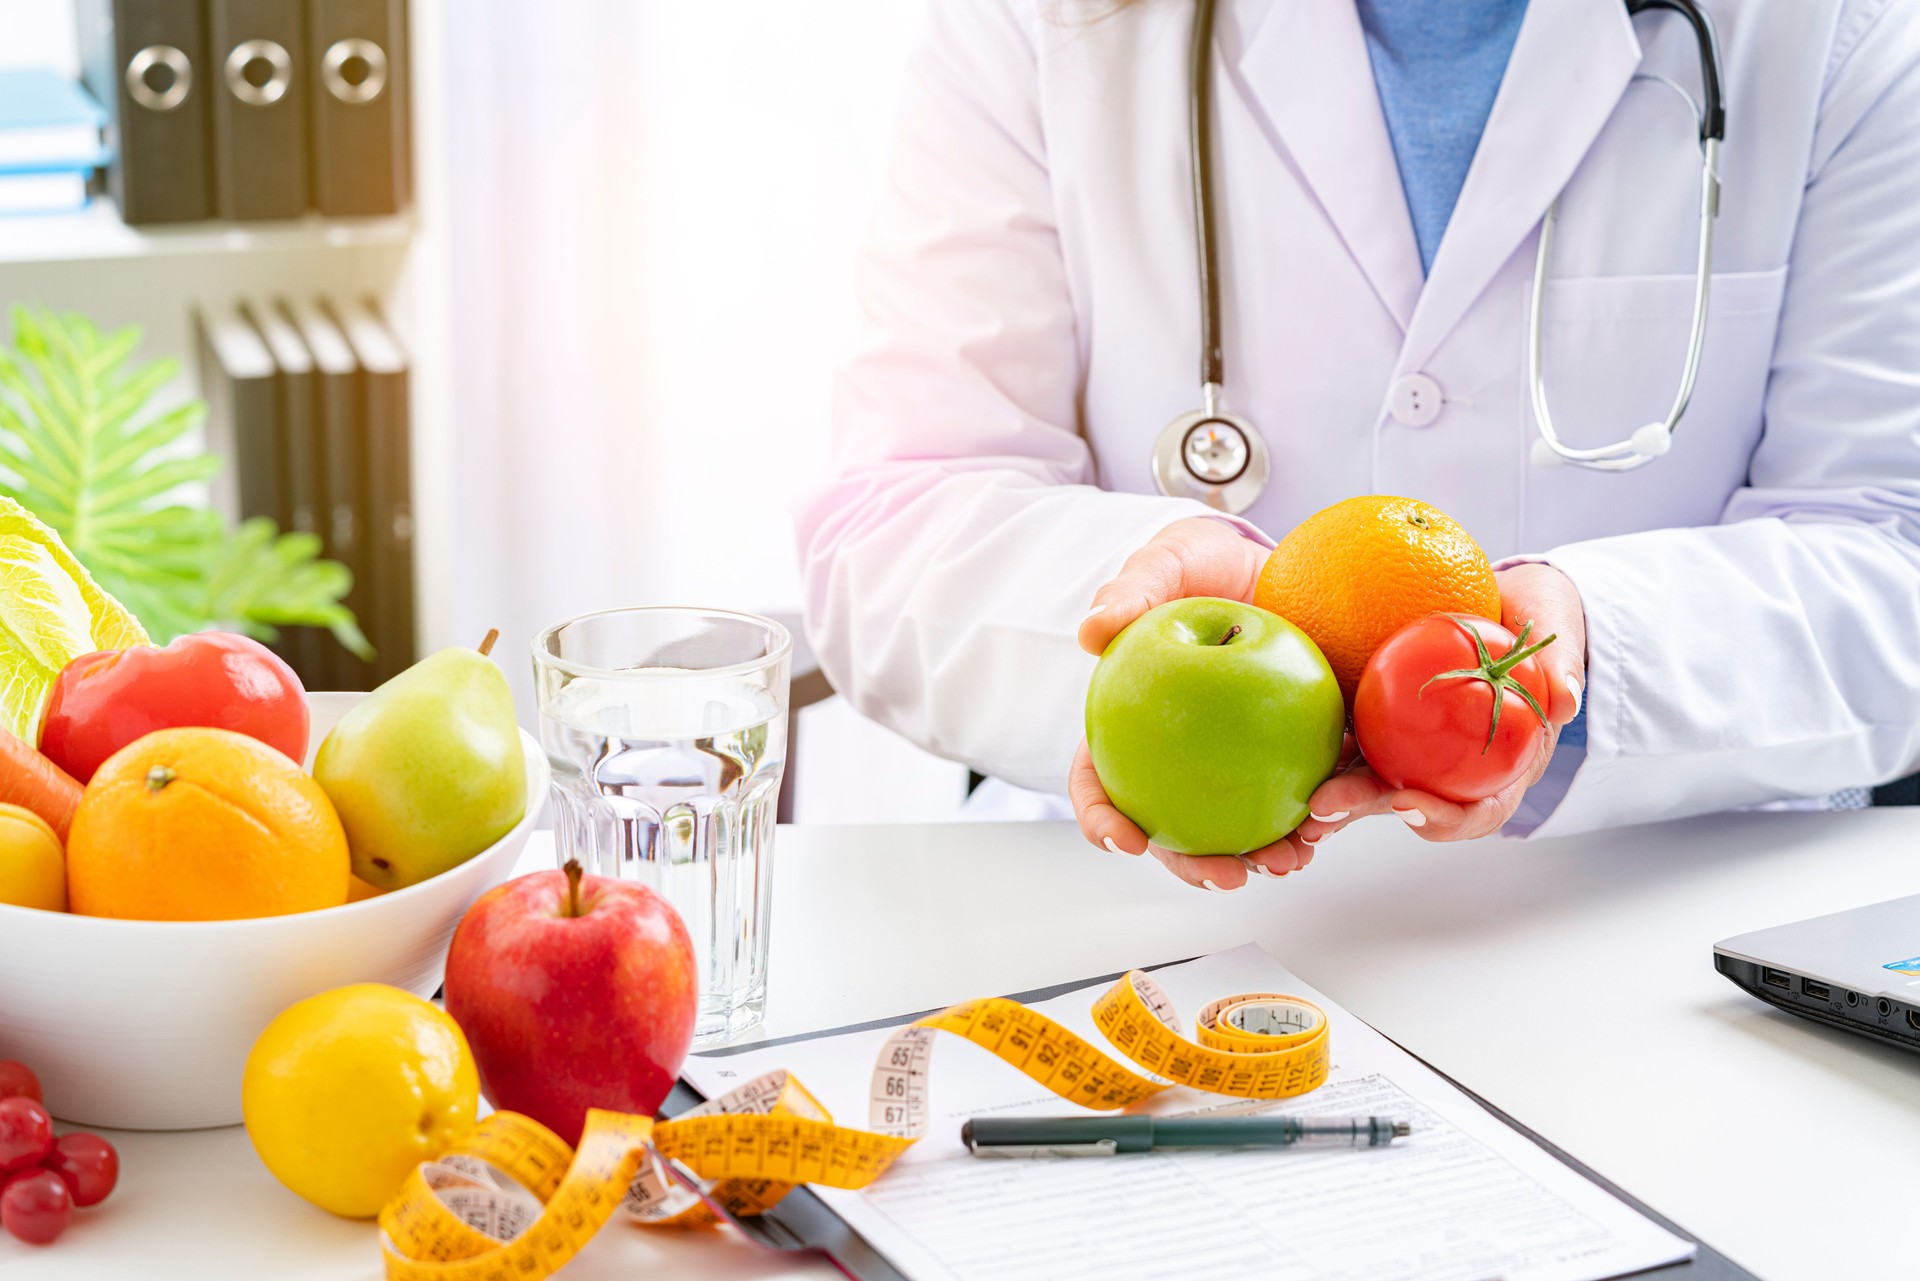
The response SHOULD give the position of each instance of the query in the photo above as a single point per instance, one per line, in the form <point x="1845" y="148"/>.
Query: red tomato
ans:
<point x="1452" y="705"/>
<point x="104" y="701"/>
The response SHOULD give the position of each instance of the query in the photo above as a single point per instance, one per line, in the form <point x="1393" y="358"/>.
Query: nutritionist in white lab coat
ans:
<point x="1740" y="618"/>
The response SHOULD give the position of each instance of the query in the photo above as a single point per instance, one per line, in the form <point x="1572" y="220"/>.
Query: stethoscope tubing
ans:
<point x="1651" y="441"/>
<point x="1200" y="129"/>
<point x="1173" y="468"/>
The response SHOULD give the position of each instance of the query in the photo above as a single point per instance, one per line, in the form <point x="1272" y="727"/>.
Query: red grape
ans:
<point x="87" y="1164"/>
<point x="35" y="1207"/>
<point x="18" y="1081"/>
<point x="26" y="1133"/>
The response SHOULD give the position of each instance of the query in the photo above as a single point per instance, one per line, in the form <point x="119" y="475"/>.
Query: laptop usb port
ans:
<point x="1818" y="991"/>
<point x="1776" y="978"/>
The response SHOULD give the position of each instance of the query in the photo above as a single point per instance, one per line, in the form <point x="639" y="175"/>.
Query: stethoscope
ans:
<point x="1219" y="457"/>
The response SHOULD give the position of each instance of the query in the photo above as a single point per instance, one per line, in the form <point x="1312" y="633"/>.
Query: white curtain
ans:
<point x="646" y="213"/>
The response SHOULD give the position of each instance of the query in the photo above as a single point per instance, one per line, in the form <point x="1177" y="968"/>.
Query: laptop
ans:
<point x="1858" y="970"/>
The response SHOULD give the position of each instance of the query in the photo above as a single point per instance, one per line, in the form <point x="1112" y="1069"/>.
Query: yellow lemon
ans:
<point x="347" y="1091"/>
<point x="33" y="869"/>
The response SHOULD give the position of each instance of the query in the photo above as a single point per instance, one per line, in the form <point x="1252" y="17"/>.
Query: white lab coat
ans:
<point x="1753" y="599"/>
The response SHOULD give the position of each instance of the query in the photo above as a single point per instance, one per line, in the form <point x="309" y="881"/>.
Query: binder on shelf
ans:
<point x="300" y="465"/>
<point x="237" y="379"/>
<point x="259" y="105"/>
<point x="340" y="447"/>
<point x="388" y="505"/>
<point x="357" y="56"/>
<point x="145" y="62"/>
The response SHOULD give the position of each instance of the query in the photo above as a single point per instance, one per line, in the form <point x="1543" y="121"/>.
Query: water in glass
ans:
<point x="672" y="780"/>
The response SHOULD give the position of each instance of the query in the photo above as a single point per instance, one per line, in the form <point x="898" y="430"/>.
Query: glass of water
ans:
<point x="667" y="731"/>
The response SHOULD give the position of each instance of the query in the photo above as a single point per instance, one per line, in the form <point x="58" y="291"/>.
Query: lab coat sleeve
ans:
<point x="1777" y="654"/>
<point x="959" y="541"/>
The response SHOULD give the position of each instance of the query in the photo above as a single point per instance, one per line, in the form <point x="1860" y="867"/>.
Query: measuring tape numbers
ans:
<point x="512" y="1202"/>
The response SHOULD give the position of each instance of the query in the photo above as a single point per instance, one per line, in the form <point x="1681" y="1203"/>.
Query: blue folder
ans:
<point x="36" y="104"/>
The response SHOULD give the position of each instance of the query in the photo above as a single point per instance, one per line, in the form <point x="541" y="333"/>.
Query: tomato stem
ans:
<point x="1497" y="672"/>
<point x="1517" y="655"/>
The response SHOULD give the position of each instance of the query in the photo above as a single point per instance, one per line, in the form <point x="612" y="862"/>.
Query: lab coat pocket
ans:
<point x="1613" y="349"/>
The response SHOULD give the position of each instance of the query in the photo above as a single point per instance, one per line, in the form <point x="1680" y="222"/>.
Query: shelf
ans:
<point x="97" y="233"/>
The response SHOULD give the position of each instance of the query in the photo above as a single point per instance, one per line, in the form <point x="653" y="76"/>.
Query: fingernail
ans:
<point x="1575" y="688"/>
<point x="1261" y="869"/>
<point x="1314" y="840"/>
<point x="1412" y="818"/>
<point x="1215" y="888"/>
<point x="1117" y="850"/>
<point x="1095" y="610"/>
<point x="1334" y="817"/>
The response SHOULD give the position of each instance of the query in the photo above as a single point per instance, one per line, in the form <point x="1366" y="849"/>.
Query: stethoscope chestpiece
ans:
<point x="1215" y="457"/>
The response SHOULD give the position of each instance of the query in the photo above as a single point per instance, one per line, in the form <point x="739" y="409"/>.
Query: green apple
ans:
<point x="427" y="770"/>
<point x="1211" y="722"/>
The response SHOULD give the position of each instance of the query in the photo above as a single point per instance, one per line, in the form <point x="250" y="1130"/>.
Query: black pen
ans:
<point x="1025" y="1136"/>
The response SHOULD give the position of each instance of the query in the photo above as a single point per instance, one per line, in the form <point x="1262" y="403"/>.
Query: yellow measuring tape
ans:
<point x="512" y="1202"/>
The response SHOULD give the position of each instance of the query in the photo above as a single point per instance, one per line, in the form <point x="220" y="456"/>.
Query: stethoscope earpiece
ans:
<point x="1544" y="455"/>
<point x="1652" y="440"/>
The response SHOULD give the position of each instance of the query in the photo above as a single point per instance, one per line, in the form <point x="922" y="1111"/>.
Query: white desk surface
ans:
<point x="1570" y="982"/>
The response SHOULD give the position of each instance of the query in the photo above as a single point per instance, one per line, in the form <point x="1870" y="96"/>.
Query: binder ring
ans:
<point x="244" y="89"/>
<point x="333" y="70"/>
<point x="159" y="55"/>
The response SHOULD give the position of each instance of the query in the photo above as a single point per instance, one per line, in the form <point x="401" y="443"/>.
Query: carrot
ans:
<point x="33" y="782"/>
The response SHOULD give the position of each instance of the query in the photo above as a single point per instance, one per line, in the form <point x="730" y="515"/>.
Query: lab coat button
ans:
<point x="1414" y="400"/>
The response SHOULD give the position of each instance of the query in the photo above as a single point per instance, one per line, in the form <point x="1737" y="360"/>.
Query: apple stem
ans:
<point x="486" y="646"/>
<point x="572" y="870"/>
<point x="1231" y="633"/>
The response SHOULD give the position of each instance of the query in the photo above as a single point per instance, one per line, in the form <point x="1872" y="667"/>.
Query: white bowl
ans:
<point x="146" y="1025"/>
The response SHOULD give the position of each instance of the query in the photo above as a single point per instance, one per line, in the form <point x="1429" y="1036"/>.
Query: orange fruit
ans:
<point x="1356" y="573"/>
<point x="203" y="825"/>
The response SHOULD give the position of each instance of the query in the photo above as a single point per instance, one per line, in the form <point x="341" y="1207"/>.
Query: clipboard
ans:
<point x="804" y="1222"/>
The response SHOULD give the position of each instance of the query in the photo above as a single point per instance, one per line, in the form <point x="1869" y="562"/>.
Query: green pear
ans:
<point x="426" y="771"/>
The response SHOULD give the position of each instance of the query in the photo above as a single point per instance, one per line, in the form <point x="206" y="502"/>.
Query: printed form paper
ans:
<point x="1465" y="1198"/>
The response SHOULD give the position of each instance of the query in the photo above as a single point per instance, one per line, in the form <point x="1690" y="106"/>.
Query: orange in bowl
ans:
<point x="203" y="825"/>
<point x="1356" y="573"/>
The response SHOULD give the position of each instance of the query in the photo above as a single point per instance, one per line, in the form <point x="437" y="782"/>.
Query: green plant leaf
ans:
<point x="82" y="448"/>
<point x="264" y="580"/>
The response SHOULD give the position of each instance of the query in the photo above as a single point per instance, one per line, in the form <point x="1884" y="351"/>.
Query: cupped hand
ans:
<point x="1197" y="557"/>
<point x="1108" y="828"/>
<point x="1537" y="594"/>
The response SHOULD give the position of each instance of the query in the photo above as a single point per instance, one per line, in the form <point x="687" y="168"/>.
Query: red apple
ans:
<point x="575" y="992"/>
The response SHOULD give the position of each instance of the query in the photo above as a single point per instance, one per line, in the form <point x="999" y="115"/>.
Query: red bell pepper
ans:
<point x="106" y="700"/>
